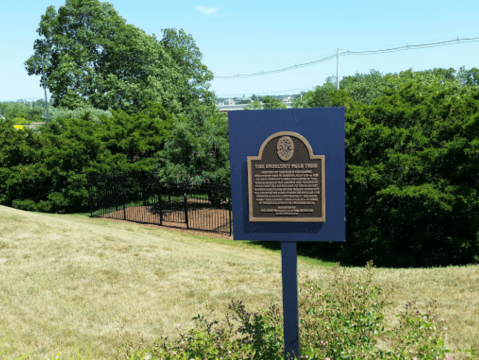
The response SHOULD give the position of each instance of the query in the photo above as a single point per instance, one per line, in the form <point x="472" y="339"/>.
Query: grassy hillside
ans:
<point x="69" y="282"/>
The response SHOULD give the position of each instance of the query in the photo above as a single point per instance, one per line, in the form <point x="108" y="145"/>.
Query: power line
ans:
<point x="350" y="53"/>
<point x="277" y="71"/>
<point x="411" y="47"/>
<point x="268" y="92"/>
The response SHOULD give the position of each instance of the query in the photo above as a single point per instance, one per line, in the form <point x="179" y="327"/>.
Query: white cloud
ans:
<point x="207" y="11"/>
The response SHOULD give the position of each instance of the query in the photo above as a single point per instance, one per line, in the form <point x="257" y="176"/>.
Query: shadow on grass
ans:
<point x="307" y="249"/>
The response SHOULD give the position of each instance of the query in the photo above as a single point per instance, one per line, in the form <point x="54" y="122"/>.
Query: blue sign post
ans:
<point x="288" y="185"/>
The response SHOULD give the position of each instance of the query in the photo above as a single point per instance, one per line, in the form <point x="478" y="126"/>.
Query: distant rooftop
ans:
<point x="232" y="107"/>
<point x="226" y="108"/>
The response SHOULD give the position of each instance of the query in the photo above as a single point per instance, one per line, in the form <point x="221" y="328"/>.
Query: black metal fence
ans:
<point x="144" y="199"/>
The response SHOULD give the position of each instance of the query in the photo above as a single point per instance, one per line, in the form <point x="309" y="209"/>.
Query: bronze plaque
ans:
<point x="286" y="181"/>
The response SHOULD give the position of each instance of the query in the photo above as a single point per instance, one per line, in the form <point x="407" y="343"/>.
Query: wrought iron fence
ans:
<point x="143" y="199"/>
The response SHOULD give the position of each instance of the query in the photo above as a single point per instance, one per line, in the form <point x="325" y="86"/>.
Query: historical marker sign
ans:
<point x="288" y="185"/>
<point x="286" y="181"/>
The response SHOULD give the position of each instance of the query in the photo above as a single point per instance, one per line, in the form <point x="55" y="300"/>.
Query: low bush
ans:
<point x="345" y="323"/>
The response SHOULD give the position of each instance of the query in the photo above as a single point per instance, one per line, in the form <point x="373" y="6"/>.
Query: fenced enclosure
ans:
<point x="144" y="199"/>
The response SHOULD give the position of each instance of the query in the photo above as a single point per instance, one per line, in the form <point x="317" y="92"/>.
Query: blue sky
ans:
<point x="249" y="36"/>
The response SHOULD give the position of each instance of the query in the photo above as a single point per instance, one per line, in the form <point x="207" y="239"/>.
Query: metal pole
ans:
<point x="116" y="195"/>
<point x="186" y="209"/>
<point x="290" y="299"/>
<point x="124" y="201"/>
<point x="161" y="212"/>
<point x="337" y="71"/>
<point x="45" y="88"/>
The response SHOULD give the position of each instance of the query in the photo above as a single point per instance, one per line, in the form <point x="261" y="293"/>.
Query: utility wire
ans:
<point x="271" y="92"/>
<point x="277" y="71"/>
<point x="349" y="53"/>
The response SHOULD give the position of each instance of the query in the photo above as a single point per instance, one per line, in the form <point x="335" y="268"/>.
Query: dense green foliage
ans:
<point x="365" y="88"/>
<point x="191" y="158"/>
<point x="28" y="112"/>
<point x="46" y="171"/>
<point x="78" y="113"/>
<point x="92" y="57"/>
<point x="411" y="174"/>
<point x="198" y="153"/>
<point x="195" y="76"/>
<point x="319" y="97"/>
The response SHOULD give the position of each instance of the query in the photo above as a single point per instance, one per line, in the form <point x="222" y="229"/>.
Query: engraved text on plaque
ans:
<point x="286" y="181"/>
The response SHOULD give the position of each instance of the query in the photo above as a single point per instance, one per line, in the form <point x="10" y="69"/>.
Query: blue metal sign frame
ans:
<point x="324" y="129"/>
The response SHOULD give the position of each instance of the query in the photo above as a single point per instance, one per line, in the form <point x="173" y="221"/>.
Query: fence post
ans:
<point x="123" y="197"/>
<point x="159" y="202"/>
<point x="116" y="195"/>
<point x="143" y="195"/>
<point x="186" y="209"/>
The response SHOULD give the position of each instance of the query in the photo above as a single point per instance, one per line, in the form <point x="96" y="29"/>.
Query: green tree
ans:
<point x="92" y="57"/>
<point x="18" y="110"/>
<point x="46" y="171"/>
<point x="469" y="77"/>
<point x="271" y="102"/>
<point x="319" y="97"/>
<point x="366" y="88"/>
<point x="433" y="81"/>
<point x="197" y="153"/>
<point x="254" y="105"/>
<point x="14" y="110"/>
<point x="411" y="175"/>
<point x="195" y="75"/>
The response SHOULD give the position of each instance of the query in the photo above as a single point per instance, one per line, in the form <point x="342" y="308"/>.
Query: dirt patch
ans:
<point x="202" y="220"/>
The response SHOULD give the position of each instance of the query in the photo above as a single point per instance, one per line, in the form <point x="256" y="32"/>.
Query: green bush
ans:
<point x="411" y="176"/>
<point x="46" y="171"/>
<point x="64" y="113"/>
<point x="33" y="112"/>
<point x="345" y="323"/>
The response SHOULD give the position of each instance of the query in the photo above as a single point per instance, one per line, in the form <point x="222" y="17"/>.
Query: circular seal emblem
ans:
<point x="285" y="148"/>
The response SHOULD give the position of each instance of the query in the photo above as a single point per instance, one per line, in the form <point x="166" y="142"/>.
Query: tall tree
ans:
<point x="198" y="153"/>
<point x="319" y="97"/>
<point x="271" y="102"/>
<point x="366" y="88"/>
<point x="92" y="57"/>
<point x="188" y="158"/>
<point x="187" y="56"/>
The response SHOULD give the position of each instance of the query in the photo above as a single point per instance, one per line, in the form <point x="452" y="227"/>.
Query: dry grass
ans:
<point x="74" y="282"/>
